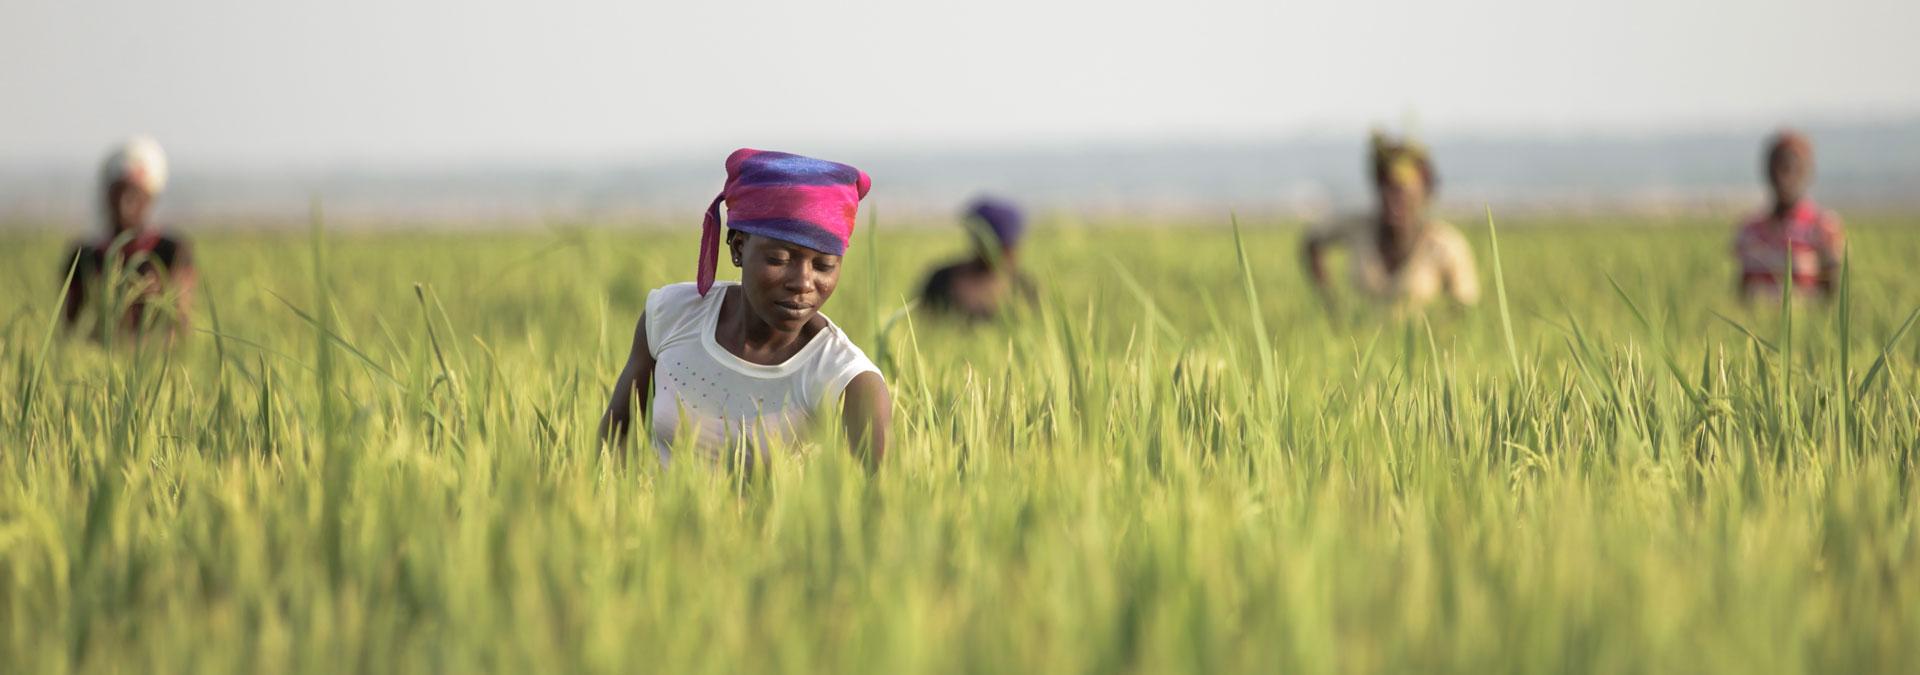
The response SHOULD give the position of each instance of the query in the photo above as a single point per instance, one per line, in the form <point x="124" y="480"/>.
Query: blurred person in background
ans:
<point x="134" y="268"/>
<point x="738" y="368"/>
<point x="1398" y="256"/>
<point x="983" y="285"/>
<point x="1793" y="236"/>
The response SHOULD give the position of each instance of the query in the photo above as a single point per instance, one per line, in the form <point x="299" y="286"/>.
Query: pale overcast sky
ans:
<point x="383" y="81"/>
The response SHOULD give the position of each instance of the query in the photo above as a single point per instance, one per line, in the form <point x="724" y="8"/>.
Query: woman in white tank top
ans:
<point x="1400" y="258"/>
<point x="734" y="370"/>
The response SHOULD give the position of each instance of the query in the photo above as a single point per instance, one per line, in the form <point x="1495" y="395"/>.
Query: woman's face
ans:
<point x="1787" y="173"/>
<point x="1402" y="202"/>
<point x="785" y="284"/>
<point x="127" y="206"/>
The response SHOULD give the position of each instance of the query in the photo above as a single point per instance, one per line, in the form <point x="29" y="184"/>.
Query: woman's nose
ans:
<point x="800" y="280"/>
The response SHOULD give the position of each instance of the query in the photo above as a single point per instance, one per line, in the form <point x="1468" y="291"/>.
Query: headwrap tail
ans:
<point x="709" y="247"/>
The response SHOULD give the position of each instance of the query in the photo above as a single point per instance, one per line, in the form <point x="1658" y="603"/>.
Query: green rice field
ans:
<point x="375" y="453"/>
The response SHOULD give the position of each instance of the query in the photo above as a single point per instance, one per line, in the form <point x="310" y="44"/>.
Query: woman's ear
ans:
<point x="736" y="241"/>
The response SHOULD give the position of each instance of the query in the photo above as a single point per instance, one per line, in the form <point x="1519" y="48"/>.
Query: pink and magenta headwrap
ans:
<point x="801" y="200"/>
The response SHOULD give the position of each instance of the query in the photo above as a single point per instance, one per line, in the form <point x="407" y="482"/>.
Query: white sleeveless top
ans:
<point x="1441" y="262"/>
<point x="729" y="409"/>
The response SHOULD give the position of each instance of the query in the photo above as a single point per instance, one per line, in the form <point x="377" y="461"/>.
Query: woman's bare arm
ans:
<point x="868" y="416"/>
<point x="1313" y="252"/>
<point x="75" y="299"/>
<point x="184" y="282"/>
<point x="633" y="386"/>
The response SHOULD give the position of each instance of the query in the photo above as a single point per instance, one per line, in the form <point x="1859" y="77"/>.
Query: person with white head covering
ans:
<point x="138" y="161"/>
<point x="133" y="262"/>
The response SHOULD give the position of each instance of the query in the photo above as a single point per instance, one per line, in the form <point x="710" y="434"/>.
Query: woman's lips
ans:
<point x="792" y="308"/>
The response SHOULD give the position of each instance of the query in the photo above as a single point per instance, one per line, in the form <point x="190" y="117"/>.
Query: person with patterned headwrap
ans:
<point x="731" y="371"/>
<point x="980" y="287"/>
<point x="1794" y="237"/>
<point x="141" y="270"/>
<point x="1398" y="256"/>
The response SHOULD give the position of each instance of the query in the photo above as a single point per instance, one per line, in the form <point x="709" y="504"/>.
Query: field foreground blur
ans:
<point x="1163" y="468"/>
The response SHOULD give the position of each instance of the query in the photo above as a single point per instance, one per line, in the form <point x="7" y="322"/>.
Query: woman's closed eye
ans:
<point x="825" y="265"/>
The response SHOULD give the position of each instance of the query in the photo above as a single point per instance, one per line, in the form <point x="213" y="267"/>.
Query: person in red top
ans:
<point x="134" y="269"/>
<point x="1795" y="238"/>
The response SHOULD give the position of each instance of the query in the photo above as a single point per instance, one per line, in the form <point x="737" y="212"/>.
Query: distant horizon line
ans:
<point x="1316" y="133"/>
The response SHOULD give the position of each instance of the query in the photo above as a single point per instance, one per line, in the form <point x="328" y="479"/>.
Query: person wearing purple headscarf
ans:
<point x="981" y="286"/>
<point x="731" y="371"/>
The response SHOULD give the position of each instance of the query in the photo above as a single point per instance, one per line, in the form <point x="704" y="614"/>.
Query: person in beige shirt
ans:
<point x="1398" y="257"/>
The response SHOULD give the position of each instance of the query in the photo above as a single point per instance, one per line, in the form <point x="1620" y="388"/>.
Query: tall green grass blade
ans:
<point x="1754" y="337"/>
<point x="1140" y="294"/>
<point x="1254" y="313"/>
<point x="318" y="324"/>
<point x="1500" y="291"/>
<point x="1880" y="362"/>
<point x="30" y="386"/>
<point x="874" y="319"/>
<point x="1657" y="339"/>
<point x="1845" y="375"/>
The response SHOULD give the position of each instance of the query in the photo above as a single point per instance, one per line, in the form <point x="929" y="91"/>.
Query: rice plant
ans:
<point x="375" y="453"/>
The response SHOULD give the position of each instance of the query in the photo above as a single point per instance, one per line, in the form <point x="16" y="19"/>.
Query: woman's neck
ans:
<point x="1396" y="243"/>
<point x="132" y="239"/>
<point x="1782" y="207"/>
<point x="748" y="336"/>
